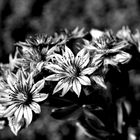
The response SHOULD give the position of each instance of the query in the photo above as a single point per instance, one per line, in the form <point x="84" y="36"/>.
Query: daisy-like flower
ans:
<point x="66" y="35"/>
<point x="35" y="51"/>
<point x="21" y="96"/>
<point x="106" y="50"/>
<point x="70" y="71"/>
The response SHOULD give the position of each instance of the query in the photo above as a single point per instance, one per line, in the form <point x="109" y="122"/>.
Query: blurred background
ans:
<point x="21" y="18"/>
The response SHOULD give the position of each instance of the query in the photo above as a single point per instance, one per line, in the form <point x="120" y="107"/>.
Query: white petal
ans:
<point x="66" y="88"/>
<point x="35" y="107"/>
<point x="14" y="126"/>
<point x="59" y="86"/>
<point x="77" y="87"/>
<point x="37" y="86"/>
<point x="68" y="55"/>
<point x="88" y="70"/>
<point x="10" y="110"/>
<point x="19" y="113"/>
<point x="122" y="57"/>
<point x="11" y="81"/>
<point x="54" y="67"/>
<point x="99" y="80"/>
<point x="53" y="77"/>
<point x="84" y="80"/>
<point x="30" y="80"/>
<point x="97" y="59"/>
<point x="96" y="34"/>
<point x="39" y="97"/>
<point x="28" y="115"/>
<point x="79" y="56"/>
<point x="84" y="61"/>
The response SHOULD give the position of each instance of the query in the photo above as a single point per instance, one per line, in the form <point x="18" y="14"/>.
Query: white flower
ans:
<point x="20" y="96"/>
<point x="35" y="51"/>
<point x="70" y="71"/>
<point x="106" y="50"/>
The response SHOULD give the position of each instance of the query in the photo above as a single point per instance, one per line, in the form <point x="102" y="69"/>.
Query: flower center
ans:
<point x="21" y="97"/>
<point x="72" y="71"/>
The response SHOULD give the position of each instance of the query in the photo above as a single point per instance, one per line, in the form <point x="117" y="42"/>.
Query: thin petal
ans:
<point x="88" y="70"/>
<point x="11" y="81"/>
<point x="28" y="115"/>
<point x="39" y="97"/>
<point x="53" y="77"/>
<point x="99" y="80"/>
<point x="59" y="86"/>
<point x="68" y="55"/>
<point x="38" y="86"/>
<point x="84" y="80"/>
<point x="97" y="59"/>
<point x="79" y="56"/>
<point x="10" y="110"/>
<point x="35" y="107"/>
<point x="66" y="88"/>
<point x="19" y="113"/>
<point x="77" y="87"/>
<point x="84" y="61"/>
<point x="54" y="67"/>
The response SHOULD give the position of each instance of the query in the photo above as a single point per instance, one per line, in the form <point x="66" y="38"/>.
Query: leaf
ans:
<point x="91" y="129"/>
<point x="69" y="112"/>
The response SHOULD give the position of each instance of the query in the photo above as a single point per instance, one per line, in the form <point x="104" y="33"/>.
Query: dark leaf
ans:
<point x="69" y="112"/>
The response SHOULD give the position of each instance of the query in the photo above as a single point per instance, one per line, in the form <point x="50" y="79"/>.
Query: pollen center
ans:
<point x="21" y="97"/>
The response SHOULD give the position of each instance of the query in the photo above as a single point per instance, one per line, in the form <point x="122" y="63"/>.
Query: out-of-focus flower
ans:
<point x="71" y="71"/>
<point x="133" y="38"/>
<point x="15" y="62"/>
<point x="67" y="35"/>
<point x="107" y="51"/>
<point x="20" y="96"/>
<point x="35" y="51"/>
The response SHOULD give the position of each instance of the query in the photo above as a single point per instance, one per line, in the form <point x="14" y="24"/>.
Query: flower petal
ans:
<point x="68" y="54"/>
<point x="54" y="67"/>
<point x="35" y="107"/>
<point x="10" y="110"/>
<point x="99" y="80"/>
<point x="28" y="115"/>
<point x="59" y="86"/>
<point x="19" y="114"/>
<point x="53" y="77"/>
<point x="77" y="87"/>
<point x="88" y="70"/>
<point x="96" y="34"/>
<point x="79" y="56"/>
<point x="14" y="126"/>
<point x="37" y="86"/>
<point x="11" y="79"/>
<point x="84" y="61"/>
<point x="122" y="57"/>
<point x="39" y="97"/>
<point x="84" y="80"/>
<point x="66" y="88"/>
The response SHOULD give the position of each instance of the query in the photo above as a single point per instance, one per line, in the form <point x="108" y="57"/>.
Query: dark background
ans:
<point x="21" y="18"/>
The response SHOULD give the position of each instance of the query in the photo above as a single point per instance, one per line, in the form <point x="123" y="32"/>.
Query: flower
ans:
<point x="20" y="96"/>
<point x="15" y="62"/>
<point x="70" y="71"/>
<point x="67" y="35"/>
<point x="35" y="51"/>
<point x="107" y="50"/>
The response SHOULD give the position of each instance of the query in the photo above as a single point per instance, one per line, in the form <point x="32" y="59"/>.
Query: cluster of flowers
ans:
<point x="76" y="73"/>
